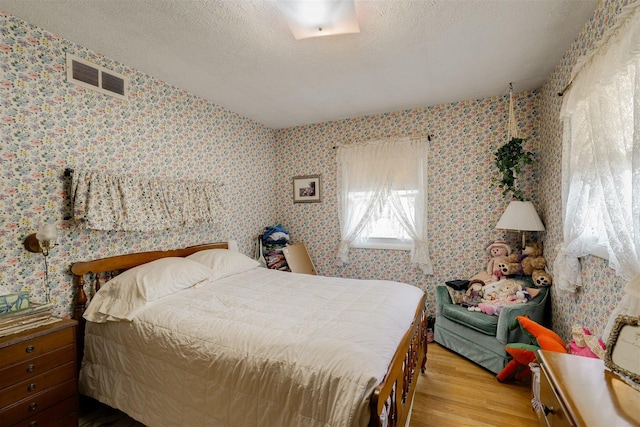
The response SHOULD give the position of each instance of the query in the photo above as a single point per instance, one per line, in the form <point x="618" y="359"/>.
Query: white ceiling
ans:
<point x="240" y="54"/>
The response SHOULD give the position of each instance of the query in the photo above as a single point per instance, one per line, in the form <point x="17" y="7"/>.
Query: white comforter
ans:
<point x="259" y="348"/>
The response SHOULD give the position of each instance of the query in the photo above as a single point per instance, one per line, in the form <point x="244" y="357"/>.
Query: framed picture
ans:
<point x="306" y="189"/>
<point x="623" y="348"/>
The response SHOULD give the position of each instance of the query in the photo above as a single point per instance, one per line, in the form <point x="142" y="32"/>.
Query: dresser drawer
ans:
<point x="39" y="402"/>
<point x="554" y="415"/>
<point x="36" y="346"/>
<point x="37" y="384"/>
<point x="30" y="368"/>
<point x="64" y="414"/>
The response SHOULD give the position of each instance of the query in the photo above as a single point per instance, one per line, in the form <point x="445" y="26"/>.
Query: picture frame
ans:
<point x="623" y="347"/>
<point x="307" y="189"/>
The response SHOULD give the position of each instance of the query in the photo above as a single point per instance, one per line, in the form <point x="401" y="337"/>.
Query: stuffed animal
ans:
<point x="523" y="354"/>
<point x="505" y="292"/>
<point x="529" y="262"/>
<point x="501" y="289"/>
<point x="584" y="344"/>
<point x="474" y="292"/>
<point x="498" y="252"/>
<point x="473" y="295"/>
<point x="541" y="278"/>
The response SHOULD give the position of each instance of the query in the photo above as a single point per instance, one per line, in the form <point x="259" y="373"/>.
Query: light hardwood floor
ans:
<point x="456" y="392"/>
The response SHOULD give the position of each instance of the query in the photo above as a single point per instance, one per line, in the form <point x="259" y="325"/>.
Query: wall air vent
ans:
<point x="92" y="76"/>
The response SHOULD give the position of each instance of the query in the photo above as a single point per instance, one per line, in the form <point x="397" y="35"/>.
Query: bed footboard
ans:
<point x="391" y="400"/>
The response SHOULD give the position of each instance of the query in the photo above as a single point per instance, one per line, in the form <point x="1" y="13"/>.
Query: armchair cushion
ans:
<point x="473" y="319"/>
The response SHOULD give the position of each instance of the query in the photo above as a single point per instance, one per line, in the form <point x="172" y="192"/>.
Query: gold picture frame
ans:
<point x="623" y="348"/>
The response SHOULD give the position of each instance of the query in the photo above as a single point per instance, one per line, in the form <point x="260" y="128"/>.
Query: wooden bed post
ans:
<point x="80" y="299"/>
<point x="424" y="341"/>
<point x="79" y="305"/>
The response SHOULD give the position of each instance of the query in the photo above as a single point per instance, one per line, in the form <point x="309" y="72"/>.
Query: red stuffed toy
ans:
<point x="523" y="354"/>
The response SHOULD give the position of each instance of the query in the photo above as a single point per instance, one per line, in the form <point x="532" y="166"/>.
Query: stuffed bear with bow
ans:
<point x="529" y="263"/>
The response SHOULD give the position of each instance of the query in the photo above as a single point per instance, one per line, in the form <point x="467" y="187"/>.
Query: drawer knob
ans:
<point x="29" y="349"/>
<point x="33" y="424"/>
<point x="31" y="367"/>
<point x="31" y="387"/>
<point x="547" y="410"/>
<point x="33" y="406"/>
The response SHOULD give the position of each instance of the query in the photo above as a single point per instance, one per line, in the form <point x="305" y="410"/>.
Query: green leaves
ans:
<point x="510" y="160"/>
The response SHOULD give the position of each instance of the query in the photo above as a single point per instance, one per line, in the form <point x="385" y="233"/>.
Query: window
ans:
<point x="382" y="197"/>
<point x="601" y="154"/>
<point x="384" y="230"/>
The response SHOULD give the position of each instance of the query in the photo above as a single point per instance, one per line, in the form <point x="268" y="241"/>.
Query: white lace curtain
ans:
<point x="380" y="171"/>
<point x="117" y="202"/>
<point x="601" y="160"/>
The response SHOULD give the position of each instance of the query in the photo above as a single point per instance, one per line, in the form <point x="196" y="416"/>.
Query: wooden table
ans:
<point x="579" y="391"/>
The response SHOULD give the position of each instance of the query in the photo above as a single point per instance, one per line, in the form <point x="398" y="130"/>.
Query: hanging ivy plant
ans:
<point x="510" y="160"/>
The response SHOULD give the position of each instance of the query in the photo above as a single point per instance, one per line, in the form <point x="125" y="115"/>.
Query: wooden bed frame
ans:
<point x="393" y="396"/>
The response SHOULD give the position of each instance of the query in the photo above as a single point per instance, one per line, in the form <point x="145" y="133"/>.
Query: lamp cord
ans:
<point x="47" y="288"/>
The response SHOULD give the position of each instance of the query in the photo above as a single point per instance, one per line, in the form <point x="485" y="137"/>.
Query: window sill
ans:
<point x="396" y="246"/>
<point x="599" y="251"/>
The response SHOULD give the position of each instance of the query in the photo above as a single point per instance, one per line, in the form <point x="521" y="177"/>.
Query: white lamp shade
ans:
<point x="47" y="232"/>
<point x="520" y="216"/>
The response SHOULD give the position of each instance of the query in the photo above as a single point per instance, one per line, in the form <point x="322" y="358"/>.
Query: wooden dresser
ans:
<point x="38" y="376"/>
<point x="579" y="391"/>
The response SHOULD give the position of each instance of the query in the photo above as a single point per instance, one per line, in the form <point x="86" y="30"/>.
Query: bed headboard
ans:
<point x="116" y="264"/>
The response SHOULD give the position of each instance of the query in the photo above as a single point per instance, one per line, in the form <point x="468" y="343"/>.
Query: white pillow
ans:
<point x="123" y="296"/>
<point x="224" y="262"/>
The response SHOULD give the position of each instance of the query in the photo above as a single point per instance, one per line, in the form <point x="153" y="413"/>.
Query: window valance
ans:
<point x="105" y="201"/>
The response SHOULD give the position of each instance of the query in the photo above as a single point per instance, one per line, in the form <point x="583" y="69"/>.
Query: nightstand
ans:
<point x="38" y="376"/>
<point x="579" y="391"/>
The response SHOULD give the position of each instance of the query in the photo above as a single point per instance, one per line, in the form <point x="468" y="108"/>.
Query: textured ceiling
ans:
<point x="240" y="54"/>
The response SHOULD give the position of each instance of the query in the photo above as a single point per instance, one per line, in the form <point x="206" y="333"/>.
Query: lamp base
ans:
<point x="32" y="244"/>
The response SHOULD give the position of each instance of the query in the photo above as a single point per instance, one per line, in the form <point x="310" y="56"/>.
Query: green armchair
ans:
<point x="479" y="337"/>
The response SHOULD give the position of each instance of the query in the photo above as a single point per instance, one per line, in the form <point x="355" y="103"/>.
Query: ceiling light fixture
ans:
<point x="316" y="18"/>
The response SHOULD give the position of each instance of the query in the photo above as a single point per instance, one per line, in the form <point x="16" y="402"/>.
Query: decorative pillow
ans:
<point x="541" y="336"/>
<point x="123" y="296"/>
<point x="224" y="262"/>
<point x="457" y="297"/>
<point x="523" y="354"/>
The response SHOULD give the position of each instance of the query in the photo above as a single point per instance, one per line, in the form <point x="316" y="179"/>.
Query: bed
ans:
<point x="204" y="336"/>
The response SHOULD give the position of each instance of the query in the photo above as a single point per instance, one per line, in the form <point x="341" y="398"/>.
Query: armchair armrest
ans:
<point x="442" y="298"/>
<point x="535" y="309"/>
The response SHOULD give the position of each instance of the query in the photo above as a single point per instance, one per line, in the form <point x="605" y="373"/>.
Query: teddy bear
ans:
<point x="529" y="262"/>
<point x="498" y="251"/>
<point x="541" y="278"/>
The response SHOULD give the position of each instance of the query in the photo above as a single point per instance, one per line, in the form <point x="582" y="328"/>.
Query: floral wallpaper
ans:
<point x="463" y="205"/>
<point x="601" y="290"/>
<point x="48" y="125"/>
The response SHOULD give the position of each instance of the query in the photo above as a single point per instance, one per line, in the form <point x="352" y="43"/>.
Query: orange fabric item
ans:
<point x="523" y="354"/>
<point x="538" y="332"/>
<point x="518" y="367"/>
